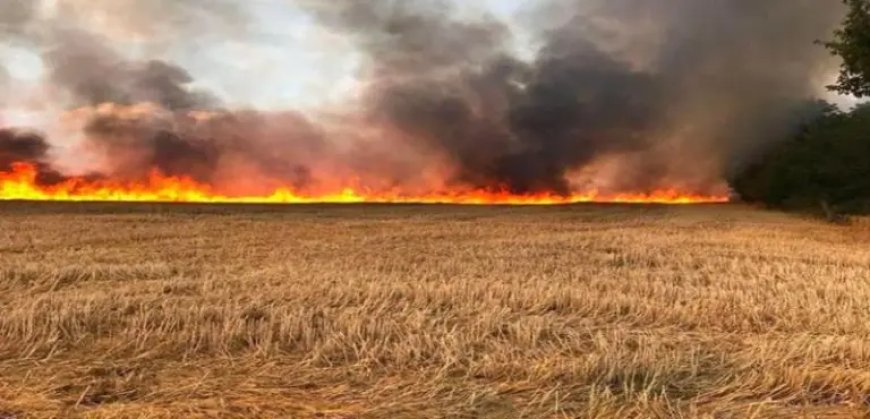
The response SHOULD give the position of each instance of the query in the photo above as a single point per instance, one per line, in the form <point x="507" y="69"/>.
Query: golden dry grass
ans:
<point x="393" y="312"/>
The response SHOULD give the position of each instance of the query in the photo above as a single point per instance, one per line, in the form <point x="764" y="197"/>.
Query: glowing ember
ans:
<point x="20" y="184"/>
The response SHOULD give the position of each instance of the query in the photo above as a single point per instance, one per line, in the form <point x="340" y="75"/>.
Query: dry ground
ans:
<point x="393" y="312"/>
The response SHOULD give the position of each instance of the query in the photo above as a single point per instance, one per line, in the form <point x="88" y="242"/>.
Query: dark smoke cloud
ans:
<point x="17" y="146"/>
<point x="452" y="85"/>
<point x="678" y="80"/>
<point x="94" y="73"/>
<point x="215" y="147"/>
<point x="740" y="70"/>
<point x="20" y="146"/>
<point x="412" y="36"/>
<point x="665" y="92"/>
<point x="137" y="116"/>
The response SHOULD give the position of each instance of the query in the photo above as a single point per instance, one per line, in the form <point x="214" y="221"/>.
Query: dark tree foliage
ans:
<point x="826" y="166"/>
<point x="852" y="44"/>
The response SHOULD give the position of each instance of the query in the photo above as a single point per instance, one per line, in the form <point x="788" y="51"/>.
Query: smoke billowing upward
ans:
<point x="621" y="95"/>
<point x="94" y="74"/>
<point x="664" y="79"/>
<point x="27" y="147"/>
<point x="20" y="146"/>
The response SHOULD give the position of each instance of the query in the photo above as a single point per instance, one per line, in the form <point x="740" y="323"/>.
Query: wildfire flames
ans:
<point x="21" y="184"/>
<point x="420" y="104"/>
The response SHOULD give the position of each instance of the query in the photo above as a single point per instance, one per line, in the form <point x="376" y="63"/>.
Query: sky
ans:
<point x="296" y="63"/>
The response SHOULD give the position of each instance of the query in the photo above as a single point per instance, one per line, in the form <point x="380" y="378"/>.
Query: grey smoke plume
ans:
<point x="202" y="145"/>
<point x="15" y="15"/>
<point x="671" y="80"/>
<point x="94" y="73"/>
<point x="21" y="146"/>
<point x="17" y="146"/>
<point x="675" y="92"/>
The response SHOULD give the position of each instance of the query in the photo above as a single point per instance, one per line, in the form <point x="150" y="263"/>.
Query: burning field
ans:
<point x="400" y="101"/>
<point x="21" y="183"/>
<point x="124" y="310"/>
<point x="145" y="270"/>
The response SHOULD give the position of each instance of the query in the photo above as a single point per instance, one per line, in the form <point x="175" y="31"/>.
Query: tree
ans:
<point x="852" y="44"/>
<point x="826" y="165"/>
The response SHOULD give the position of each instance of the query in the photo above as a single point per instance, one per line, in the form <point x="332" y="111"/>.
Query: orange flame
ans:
<point x="20" y="184"/>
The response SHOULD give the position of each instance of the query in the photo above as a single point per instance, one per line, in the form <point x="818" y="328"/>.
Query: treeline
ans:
<point x="826" y="165"/>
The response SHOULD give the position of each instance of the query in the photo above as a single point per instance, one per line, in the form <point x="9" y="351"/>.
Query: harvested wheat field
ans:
<point x="431" y="311"/>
